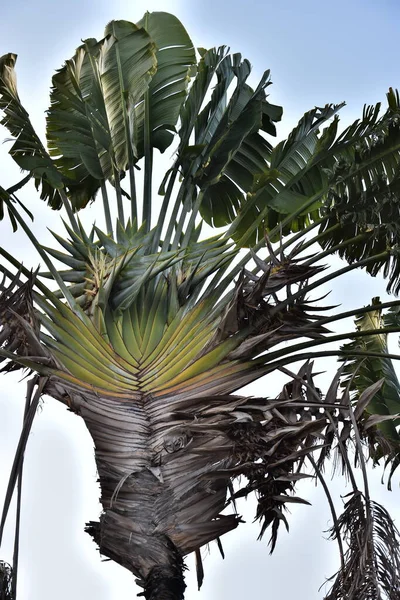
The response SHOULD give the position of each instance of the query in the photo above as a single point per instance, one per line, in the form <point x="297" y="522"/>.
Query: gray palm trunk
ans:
<point x="160" y="497"/>
<point x="165" y="470"/>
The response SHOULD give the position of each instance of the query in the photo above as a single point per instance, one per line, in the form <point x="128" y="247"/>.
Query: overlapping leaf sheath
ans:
<point x="166" y="462"/>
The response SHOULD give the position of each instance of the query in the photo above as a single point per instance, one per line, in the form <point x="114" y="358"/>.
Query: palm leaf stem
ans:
<point x="192" y="221"/>
<point x="278" y="229"/>
<point x="371" y="354"/>
<point x="172" y="221"/>
<point x="325" y="340"/>
<point x="106" y="206"/>
<point x="358" y="444"/>
<point x="199" y="295"/>
<point x="355" y="312"/>
<point x="187" y="190"/>
<point x="325" y="487"/>
<point x="56" y="276"/>
<point x="249" y="255"/>
<point x="315" y="240"/>
<point x="198" y="100"/>
<point x="333" y="249"/>
<point x="19" y="498"/>
<point x="19" y="453"/>
<point x="164" y="209"/>
<point x="329" y="277"/>
<point x="128" y="144"/>
<point x="303" y="232"/>
<point x="68" y="208"/>
<point x="270" y="367"/>
<point x="148" y="165"/>
<point x="274" y="231"/>
<point x="211" y="289"/>
<point x="320" y="404"/>
<point x="359" y="451"/>
<point x="132" y="182"/>
<point x="120" y="205"/>
<point x="179" y="226"/>
<point x="310" y="202"/>
<point x="16" y="536"/>
<point x="12" y="260"/>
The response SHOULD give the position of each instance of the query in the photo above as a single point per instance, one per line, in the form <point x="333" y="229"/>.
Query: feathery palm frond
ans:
<point x="28" y="151"/>
<point x="372" y="564"/>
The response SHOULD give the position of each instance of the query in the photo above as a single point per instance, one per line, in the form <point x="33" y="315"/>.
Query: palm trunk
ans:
<point x="165" y="582"/>
<point x="151" y="557"/>
<point x="159" y="500"/>
<point x="138" y="506"/>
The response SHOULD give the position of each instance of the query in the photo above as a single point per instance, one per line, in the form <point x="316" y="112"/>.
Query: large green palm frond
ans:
<point x="362" y="210"/>
<point x="27" y="150"/>
<point x="96" y="121"/>
<point x="367" y="367"/>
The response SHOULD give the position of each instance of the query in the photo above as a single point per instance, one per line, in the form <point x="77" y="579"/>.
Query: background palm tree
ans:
<point x="151" y="329"/>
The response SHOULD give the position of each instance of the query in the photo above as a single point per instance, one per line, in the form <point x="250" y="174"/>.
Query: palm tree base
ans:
<point x="166" y="582"/>
<point x="153" y="559"/>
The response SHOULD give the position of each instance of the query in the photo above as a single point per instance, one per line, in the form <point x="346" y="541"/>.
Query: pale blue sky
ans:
<point x="318" y="52"/>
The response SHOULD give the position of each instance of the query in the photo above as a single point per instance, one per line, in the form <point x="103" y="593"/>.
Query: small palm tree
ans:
<point x="149" y="330"/>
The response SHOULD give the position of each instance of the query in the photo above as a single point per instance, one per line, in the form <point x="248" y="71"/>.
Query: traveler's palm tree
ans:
<point x="149" y="330"/>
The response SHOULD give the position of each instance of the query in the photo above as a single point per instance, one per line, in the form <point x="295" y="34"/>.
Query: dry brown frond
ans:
<point x="5" y="581"/>
<point x="372" y="560"/>
<point x="19" y="326"/>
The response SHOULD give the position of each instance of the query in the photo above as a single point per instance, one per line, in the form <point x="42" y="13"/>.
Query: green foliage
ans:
<point x="27" y="149"/>
<point x="367" y="364"/>
<point x="373" y="366"/>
